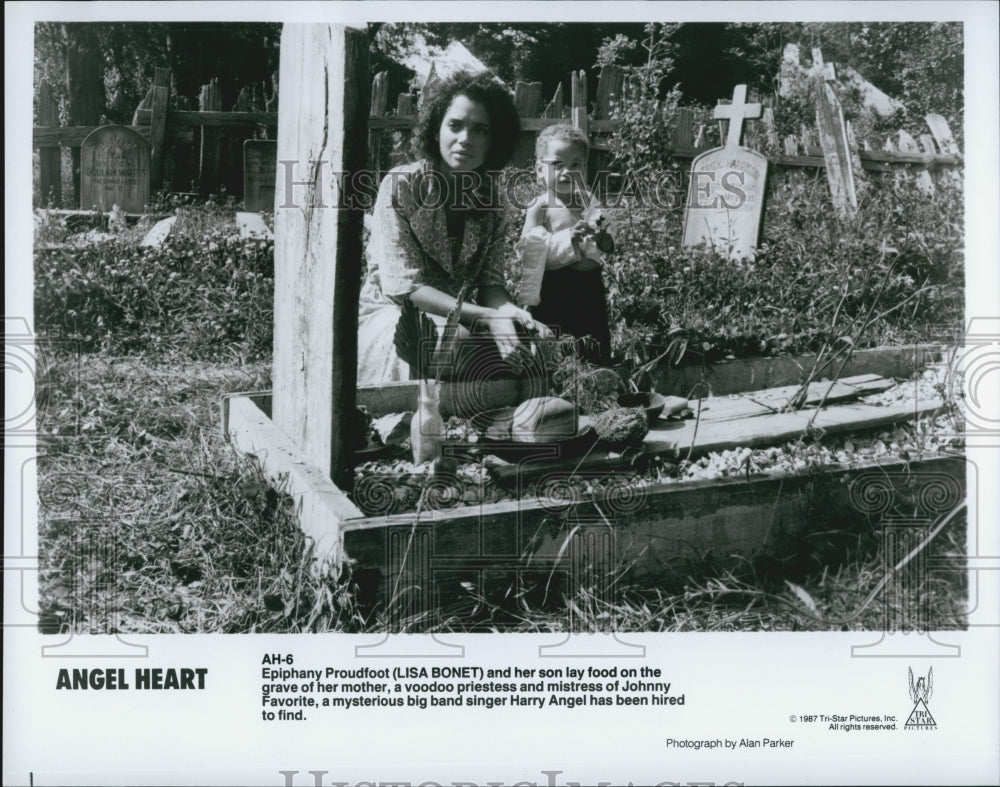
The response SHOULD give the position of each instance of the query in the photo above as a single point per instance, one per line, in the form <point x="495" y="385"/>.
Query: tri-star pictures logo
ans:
<point x="920" y="694"/>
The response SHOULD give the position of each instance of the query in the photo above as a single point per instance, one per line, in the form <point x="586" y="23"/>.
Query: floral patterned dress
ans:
<point x="408" y="248"/>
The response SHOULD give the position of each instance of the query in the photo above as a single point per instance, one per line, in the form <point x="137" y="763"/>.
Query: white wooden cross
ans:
<point x="736" y="113"/>
<point x="821" y="69"/>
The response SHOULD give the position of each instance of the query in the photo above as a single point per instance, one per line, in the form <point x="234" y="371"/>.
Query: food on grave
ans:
<point x="544" y="419"/>
<point x="620" y="427"/>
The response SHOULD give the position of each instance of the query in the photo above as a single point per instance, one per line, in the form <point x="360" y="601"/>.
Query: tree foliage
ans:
<point x="238" y="53"/>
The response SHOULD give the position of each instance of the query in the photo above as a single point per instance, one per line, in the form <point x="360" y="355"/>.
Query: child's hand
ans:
<point x="581" y="231"/>
<point x="578" y="235"/>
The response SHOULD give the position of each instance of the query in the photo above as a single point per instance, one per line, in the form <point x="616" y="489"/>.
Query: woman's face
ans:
<point x="464" y="136"/>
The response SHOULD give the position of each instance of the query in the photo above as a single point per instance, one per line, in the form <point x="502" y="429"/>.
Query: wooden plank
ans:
<point x="682" y="134"/>
<point x="85" y="95"/>
<point x="210" y="152"/>
<point x="609" y="90"/>
<point x="405" y="104"/>
<point x="755" y="374"/>
<point x="317" y="251"/>
<point x="145" y="104"/>
<point x="234" y="141"/>
<point x="271" y="104"/>
<point x="830" y="392"/>
<point x="380" y="93"/>
<point x="379" y="102"/>
<point x="766" y="430"/>
<point x="49" y="158"/>
<point x="212" y="118"/>
<point x="157" y="126"/>
<point x="659" y="542"/>
<point x="527" y="97"/>
<point x="391" y="121"/>
<point x="578" y="99"/>
<point x="554" y="109"/>
<point x="320" y="506"/>
<point x="520" y="97"/>
<point x="836" y="150"/>
<point x="534" y="98"/>
<point x="942" y="134"/>
<point x="771" y="400"/>
<point x="770" y="129"/>
<point x="402" y="396"/>
<point x="729" y="408"/>
<point x="597" y="462"/>
<point x="908" y="144"/>
<point x="537" y="124"/>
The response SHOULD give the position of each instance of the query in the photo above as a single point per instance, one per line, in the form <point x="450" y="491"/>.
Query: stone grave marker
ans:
<point x="260" y="163"/>
<point x="114" y="170"/>
<point x="726" y="195"/>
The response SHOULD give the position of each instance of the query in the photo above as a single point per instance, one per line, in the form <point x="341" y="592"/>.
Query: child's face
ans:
<point x="562" y="166"/>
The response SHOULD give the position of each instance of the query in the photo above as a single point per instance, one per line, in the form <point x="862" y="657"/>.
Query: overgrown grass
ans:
<point x="205" y="293"/>
<point x="150" y="522"/>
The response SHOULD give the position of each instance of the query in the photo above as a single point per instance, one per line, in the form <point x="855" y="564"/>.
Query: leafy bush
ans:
<point x="205" y="293"/>
<point x="891" y="275"/>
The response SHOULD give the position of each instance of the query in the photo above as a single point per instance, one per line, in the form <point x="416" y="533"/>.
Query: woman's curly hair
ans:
<point x="505" y="125"/>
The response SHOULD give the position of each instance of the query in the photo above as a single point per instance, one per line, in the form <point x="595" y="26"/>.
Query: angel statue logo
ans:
<point x="920" y="693"/>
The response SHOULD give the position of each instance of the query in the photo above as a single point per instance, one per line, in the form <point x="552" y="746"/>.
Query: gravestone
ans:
<point x="114" y="170"/>
<point x="260" y="163"/>
<point x="726" y="195"/>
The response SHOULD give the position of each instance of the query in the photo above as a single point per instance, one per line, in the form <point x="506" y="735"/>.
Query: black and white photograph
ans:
<point x="468" y="365"/>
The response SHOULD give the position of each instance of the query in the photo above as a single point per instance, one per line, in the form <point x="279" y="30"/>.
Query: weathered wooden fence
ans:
<point x="204" y="146"/>
<point x="816" y="148"/>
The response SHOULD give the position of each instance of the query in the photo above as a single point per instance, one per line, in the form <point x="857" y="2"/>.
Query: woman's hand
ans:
<point x="503" y="328"/>
<point x="524" y="318"/>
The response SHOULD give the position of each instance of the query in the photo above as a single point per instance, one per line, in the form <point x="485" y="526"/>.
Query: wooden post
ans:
<point x="432" y="80"/>
<point x="49" y="159"/>
<point x="907" y="144"/>
<point x="945" y="142"/>
<point x="609" y="89"/>
<point x="807" y="140"/>
<point x="85" y="80"/>
<point x="833" y="140"/>
<point x="683" y="132"/>
<point x="211" y="139"/>
<point x="158" y="126"/>
<point x="555" y="106"/>
<point x="322" y="125"/>
<point x="406" y="106"/>
<point x="232" y="168"/>
<point x="146" y="103"/>
<point x="527" y="98"/>
<point x="578" y="99"/>
<point x="770" y="129"/>
<point x="380" y="100"/>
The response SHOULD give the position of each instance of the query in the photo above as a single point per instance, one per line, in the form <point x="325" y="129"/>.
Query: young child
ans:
<point x="561" y="245"/>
